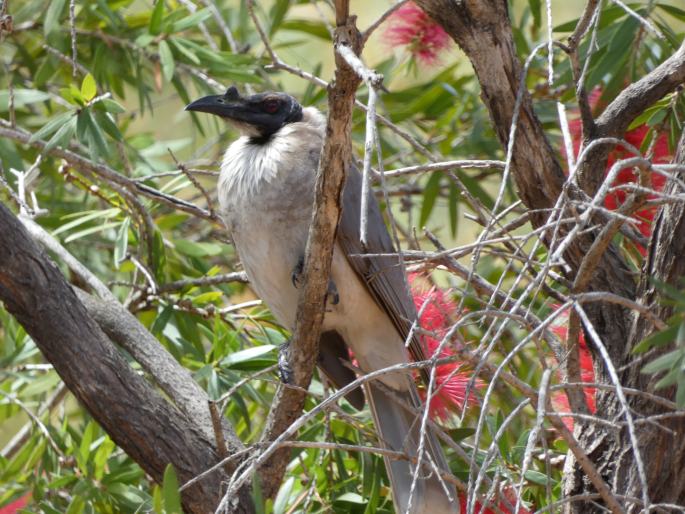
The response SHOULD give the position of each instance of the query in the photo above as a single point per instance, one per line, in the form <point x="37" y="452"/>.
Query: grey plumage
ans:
<point x="266" y="191"/>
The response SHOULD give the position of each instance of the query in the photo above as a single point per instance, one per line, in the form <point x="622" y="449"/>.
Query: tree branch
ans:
<point x="104" y="172"/>
<point x="630" y="103"/>
<point x="138" y="419"/>
<point x="333" y="166"/>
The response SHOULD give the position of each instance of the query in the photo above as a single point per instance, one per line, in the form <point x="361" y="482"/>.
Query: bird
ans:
<point x="266" y="195"/>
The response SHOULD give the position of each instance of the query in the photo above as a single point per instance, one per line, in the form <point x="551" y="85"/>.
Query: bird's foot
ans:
<point x="296" y="275"/>
<point x="285" y="372"/>
<point x="332" y="296"/>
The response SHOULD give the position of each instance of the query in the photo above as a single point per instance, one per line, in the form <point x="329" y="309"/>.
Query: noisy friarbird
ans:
<point x="266" y="194"/>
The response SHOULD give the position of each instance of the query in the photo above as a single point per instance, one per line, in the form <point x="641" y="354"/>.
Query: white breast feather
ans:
<point x="247" y="165"/>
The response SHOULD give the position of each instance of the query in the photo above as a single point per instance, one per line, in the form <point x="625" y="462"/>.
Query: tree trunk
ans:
<point x="662" y="446"/>
<point x="483" y="31"/>
<point x="148" y="428"/>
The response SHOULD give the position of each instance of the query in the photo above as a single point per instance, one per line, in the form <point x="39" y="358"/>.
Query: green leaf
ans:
<point x="669" y="378"/>
<point x="84" y="448"/>
<point x="90" y="133"/>
<point x="88" y="88"/>
<point x="251" y="358"/>
<point x="112" y="106"/>
<point x="430" y="194"/>
<point x="157" y="500"/>
<point x="180" y="46"/>
<point x="457" y="434"/>
<point x="276" y="15"/>
<point x="161" y="320"/>
<point x="536" y="477"/>
<point x="351" y="498"/>
<point x="84" y="217"/>
<point x="281" y="502"/>
<point x="680" y="393"/>
<point x="194" y="249"/>
<point x="190" y="21"/>
<point x="77" y="505"/>
<point x="72" y="95"/>
<point x="101" y="455"/>
<point x="159" y="255"/>
<point x="105" y="121"/>
<point x="167" y="60"/>
<point x="62" y="136"/>
<point x="453" y="205"/>
<point x="673" y="11"/>
<point x="22" y="97"/>
<point x="656" y="340"/>
<point x="51" y="126"/>
<point x="144" y="39"/>
<point x="170" y="492"/>
<point x="155" y="26"/>
<point x="41" y="384"/>
<point x="209" y="297"/>
<point x="91" y="230"/>
<point x="663" y="362"/>
<point x="121" y="243"/>
<point x="52" y="16"/>
<point x="535" y="9"/>
<point x="313" y="28"/>
<point x="650" y="112"/>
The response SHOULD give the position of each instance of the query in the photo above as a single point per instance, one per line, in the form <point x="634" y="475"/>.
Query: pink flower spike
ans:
<point x="587" y="373"/>
<point x="451" y="380"/>
<point x="411" y="27"/>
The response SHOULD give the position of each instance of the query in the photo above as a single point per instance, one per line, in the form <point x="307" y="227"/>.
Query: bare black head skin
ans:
<point x="260" y="115"/>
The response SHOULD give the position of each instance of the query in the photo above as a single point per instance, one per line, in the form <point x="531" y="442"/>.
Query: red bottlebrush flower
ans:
<point x="451" y="381"/>
<point x="411" y="27"/>
<point x="478" y="509"/>
<point x="635" y="137"/>
<point x="15" y="506"/>
<point x="587" y="373"/>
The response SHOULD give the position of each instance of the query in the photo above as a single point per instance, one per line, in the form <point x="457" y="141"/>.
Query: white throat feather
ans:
<point x="247" y="164"/>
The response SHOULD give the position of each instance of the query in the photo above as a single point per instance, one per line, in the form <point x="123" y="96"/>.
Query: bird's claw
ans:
<point x="296" y="275"/>
<point x="332" y="296"/>
<point x="285" y="372"/>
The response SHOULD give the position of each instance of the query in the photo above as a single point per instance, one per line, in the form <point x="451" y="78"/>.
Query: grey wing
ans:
<point x="382" y="275"/>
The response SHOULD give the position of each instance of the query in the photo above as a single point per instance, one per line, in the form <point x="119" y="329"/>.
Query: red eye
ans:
<point x="271" y="106"/>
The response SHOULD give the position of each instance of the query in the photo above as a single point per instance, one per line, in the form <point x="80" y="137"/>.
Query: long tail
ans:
<point x="399" y="430"/>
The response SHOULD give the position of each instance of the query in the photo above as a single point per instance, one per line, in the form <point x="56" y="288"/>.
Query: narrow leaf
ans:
<point x="88" y="88"/>
<point x="156" y="18"/>
<point x="430" y="194"/>
<point x="51" y="126"/>
<point x="172" y="497"/>
<point x="167" y="60"/>
<point x="121" y="245"/>
<point x="52" y="16"/>
<point x="62" y="136"/>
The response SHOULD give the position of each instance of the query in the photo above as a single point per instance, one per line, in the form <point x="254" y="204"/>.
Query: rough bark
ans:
<point x="618" y="115"/>
<point x="662" y="447"/>
<point x="663" y="451"/>
<point x="335" y="160"/>
<point x="483" y="30"/>
<point x="125" y="330"/>
<point x="148" y="428"/>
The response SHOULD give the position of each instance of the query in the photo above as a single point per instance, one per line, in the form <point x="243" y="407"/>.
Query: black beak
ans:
<point x="224" y="105"/>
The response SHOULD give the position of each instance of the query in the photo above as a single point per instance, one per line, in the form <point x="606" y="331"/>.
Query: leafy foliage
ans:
<point x="117" y="104"/>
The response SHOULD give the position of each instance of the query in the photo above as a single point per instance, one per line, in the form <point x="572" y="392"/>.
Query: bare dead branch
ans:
<point x="335" y="159"/>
